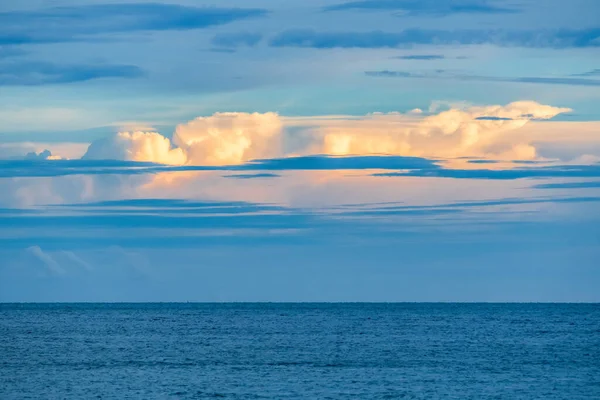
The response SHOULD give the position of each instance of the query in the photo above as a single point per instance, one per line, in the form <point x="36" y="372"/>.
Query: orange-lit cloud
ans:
<point x="475" y="131"/>
<point x="221" y="139"/>
<point x="230" y="138"/>
<point x="136" y="146"/>
<point x="234" y="138"/>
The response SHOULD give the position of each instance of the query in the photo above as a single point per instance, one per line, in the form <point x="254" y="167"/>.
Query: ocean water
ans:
<point x="300" y="351"/>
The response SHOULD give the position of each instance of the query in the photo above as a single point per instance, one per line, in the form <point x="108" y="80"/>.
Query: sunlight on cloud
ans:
<point x="475" y="131"/>
<point x="234" y="138"/>
<point x="136" y="146"/>
<point x="230" y="138"/>
<point x="42" y="151"/>
<point x="221" y="139"/>
<point x="318" y="189"/>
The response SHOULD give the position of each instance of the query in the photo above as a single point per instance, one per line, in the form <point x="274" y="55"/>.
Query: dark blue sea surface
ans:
<point x="289" y="351"/>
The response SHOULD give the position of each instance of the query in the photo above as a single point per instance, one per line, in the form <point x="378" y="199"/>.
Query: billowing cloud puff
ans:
<point x="136" y="146"/>
<point x="42" y="155"/>
<point x="230" y="138"/>
<point x="453" y="133"/>
<point x="234" y="138"/>
<point x="221" y="139"/>
<point x="41" y="151"/>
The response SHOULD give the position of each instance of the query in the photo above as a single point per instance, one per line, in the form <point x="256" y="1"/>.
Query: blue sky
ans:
<point x="376" y="150"/>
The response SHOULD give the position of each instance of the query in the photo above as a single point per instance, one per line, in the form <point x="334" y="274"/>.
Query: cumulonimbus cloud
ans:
<point x="230" y="138"/>
<point x="136" y="146"/>
<point x="234" y="138"/>
<point x="221" y="139"/>
<point x="475" y="131"/>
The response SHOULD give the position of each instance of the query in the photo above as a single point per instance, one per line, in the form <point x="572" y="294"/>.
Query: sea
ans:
<point x="299" y="351"/>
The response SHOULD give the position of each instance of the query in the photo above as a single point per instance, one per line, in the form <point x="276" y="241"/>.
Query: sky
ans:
<point x="331" y="150"/>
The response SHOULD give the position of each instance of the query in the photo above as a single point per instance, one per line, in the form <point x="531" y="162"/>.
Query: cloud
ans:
<point x="488" y="118"/>
<point x="569" y="185"/>
<point x="196" y="208"/>
<point x="136" y="146"/>
<point x="424" y="7"/>
<point x="593" y="73"/>
<point x="135" y="220"/>
<point x="21" y="168"/>
<point x="39" y="151"/>
<point x="221" y="50"/>
<point x="551" y="81"/>
<point x="303" y="181"/>
<point x="342" y="163"/>
<point x="77" y="260"/>
<point x="235" y="138"/>
<point x="252" y="176"/>
<point x="177" y="223"/>
<point x="221" y="139"/>
<point x="48" y="261"/>
<point x="239" y="39"/>
<point x="558" y="171"/>
<point x="482" y="161"/>
<point x="11" y="51"/>
<point x="421" y="57"/>
<point x="548" y="38"/>
<point x="65" y="24"/>
<point x="43" y="73"/>
<point x="42" y="155"/>
<point x="177" y="206"/>
<point x="396" y="165"/>
<point x="441" y="74"/>
<point x="452" y="133"/>
<point x="230" y="138"/>
<point x="16" y="151"/>
<point x="374" y="210"/>
<point x="55" y="168"/>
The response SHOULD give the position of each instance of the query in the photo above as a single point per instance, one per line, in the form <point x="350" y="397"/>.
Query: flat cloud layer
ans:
<point x="234" y="138"/>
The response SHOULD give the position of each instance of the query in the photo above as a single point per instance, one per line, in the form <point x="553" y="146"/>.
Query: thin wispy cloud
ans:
<point x="72" y="23"/>
<point x="50" y="264"/>
<point x="11" y="51"/>
<point x="569" y="185"/>
<point x="396" y="165"/>
<point x="252" y="176"/>
<point x="592" y="73"/>
<point x="543" y="38"/>
<point x="443" y="75"/>
<point x="421" y="57"/>
<point x="424" y="7"/>
<point x="31" y="73"/>
<point x="558" y="171"/>
<point x="238" y="39"/>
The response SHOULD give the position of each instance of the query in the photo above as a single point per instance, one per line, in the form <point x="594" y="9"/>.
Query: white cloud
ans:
<point x="136" y="146"/>
<point x="223" y="138"/>
<point x="46" y="151"/>
<point x="474" y="131"/>
<point x="233" y="138"/>
<point x="75" y="259"/>
<point x="230" y="138"/>
<point x="47" y="260"/>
